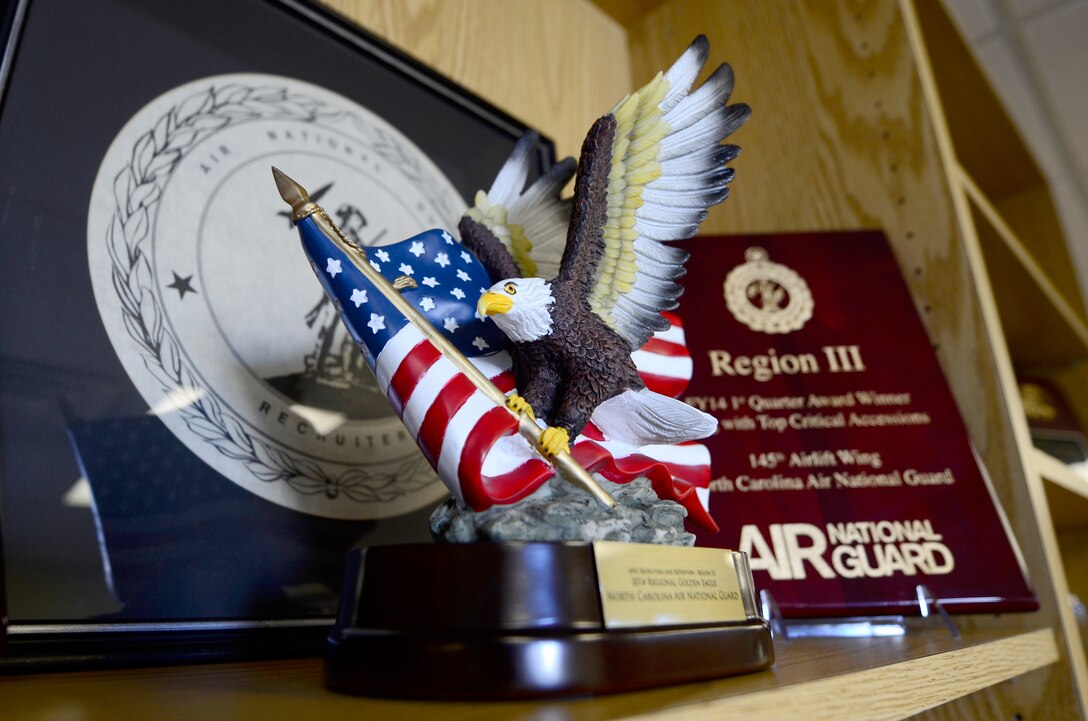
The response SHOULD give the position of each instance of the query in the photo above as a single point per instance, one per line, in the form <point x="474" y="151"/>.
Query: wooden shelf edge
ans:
<point x="888" y="692"/>
<point x="1059" y="305"/>
<point x="875" y="684"/>
<point x="1054" y="471"/>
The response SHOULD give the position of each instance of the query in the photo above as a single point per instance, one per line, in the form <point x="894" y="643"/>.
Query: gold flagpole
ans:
<point x="302" y="207"/>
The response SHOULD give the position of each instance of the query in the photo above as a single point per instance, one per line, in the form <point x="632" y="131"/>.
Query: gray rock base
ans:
<point x="558" y="511"/>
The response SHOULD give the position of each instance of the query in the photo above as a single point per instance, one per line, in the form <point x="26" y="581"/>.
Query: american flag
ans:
<point x="474" y="445"/>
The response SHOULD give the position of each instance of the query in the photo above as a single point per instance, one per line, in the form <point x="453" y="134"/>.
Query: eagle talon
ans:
<point x="519" y="405"/>
<point x="554" y="440"/>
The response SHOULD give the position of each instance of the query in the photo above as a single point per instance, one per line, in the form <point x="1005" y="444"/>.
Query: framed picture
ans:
<point x="187" y="450"/>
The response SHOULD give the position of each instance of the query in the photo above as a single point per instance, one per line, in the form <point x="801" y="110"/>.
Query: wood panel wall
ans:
<point x="557" y="65"/>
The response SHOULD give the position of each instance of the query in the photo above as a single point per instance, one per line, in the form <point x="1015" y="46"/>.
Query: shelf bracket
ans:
<point x="928" y="604"/>
<point x="856" y="627"/>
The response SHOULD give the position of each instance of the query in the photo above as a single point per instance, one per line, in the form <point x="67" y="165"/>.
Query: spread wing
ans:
<point x="518" y="231"/>
<point x="649" y="171"/>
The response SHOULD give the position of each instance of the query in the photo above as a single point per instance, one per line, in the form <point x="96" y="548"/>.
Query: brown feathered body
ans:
<point x="582" y="362"/>
<point x="566" y="375"/>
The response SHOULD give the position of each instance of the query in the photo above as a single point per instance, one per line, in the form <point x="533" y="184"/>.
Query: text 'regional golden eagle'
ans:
<point x="649" y="170"/>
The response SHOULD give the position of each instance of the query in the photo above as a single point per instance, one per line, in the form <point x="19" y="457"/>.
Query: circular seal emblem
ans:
<point x="767" y="297"/>
<point x="213" y="310"/>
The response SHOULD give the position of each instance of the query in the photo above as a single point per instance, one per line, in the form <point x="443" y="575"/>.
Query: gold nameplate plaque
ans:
<point x="647" y="585"/>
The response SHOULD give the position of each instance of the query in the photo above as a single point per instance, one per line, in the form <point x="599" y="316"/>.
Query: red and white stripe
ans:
<point x="664" y="363"/>
<point x="475" y="447"/>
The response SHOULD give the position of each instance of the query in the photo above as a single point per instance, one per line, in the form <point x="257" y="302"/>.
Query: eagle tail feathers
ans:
<point x="643" y="418"/>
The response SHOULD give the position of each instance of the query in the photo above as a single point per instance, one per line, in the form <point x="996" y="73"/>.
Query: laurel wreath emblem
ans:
<point x="137" y="190"/>
<point x="784" y="304"/>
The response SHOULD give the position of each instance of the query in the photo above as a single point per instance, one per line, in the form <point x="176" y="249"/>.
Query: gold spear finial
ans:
<point x="294" y="195"/>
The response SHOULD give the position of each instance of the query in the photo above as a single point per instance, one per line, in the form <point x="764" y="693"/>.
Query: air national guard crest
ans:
<point x="225" y="336"/>
<point x="767" y="297"/>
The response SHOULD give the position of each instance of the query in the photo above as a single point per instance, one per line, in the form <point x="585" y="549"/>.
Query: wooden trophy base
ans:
<point x="511" y="620"/>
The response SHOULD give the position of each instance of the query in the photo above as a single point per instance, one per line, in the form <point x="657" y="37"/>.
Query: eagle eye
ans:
<point x="510" y="288"/>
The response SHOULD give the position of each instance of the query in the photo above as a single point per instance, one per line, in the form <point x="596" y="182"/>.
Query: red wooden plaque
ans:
<point x="841" y="466"/>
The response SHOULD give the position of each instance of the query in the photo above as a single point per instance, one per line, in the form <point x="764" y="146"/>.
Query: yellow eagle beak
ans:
<point x="491" y="303"/>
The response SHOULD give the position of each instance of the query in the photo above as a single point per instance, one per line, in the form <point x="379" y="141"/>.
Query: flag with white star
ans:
<point x="473" y="444"/>
<point x="449" y="282"/>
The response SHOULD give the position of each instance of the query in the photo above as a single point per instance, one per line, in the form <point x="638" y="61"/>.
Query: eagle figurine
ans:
<point x="648" y="171"/>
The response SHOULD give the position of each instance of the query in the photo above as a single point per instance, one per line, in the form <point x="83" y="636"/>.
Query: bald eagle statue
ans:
<point x="649" y="169"/>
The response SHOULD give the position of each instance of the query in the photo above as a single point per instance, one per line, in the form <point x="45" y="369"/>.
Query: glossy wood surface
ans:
<point x="878" y="678"/>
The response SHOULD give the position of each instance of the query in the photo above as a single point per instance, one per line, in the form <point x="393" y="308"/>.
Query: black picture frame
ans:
<point x="71" y="74"/>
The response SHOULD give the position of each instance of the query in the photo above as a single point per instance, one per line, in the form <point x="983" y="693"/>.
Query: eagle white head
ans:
<point x="520" y="307"/>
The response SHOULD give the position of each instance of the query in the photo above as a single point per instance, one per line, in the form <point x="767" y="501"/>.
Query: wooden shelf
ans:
<point x="1067" y="493"/>
<point x="877" y="678"/>
<point x="1054" y="471"/>
<point x="1041" y="327"/>
<point x="1067" y="497"/>
<point x="988" y="145"/>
